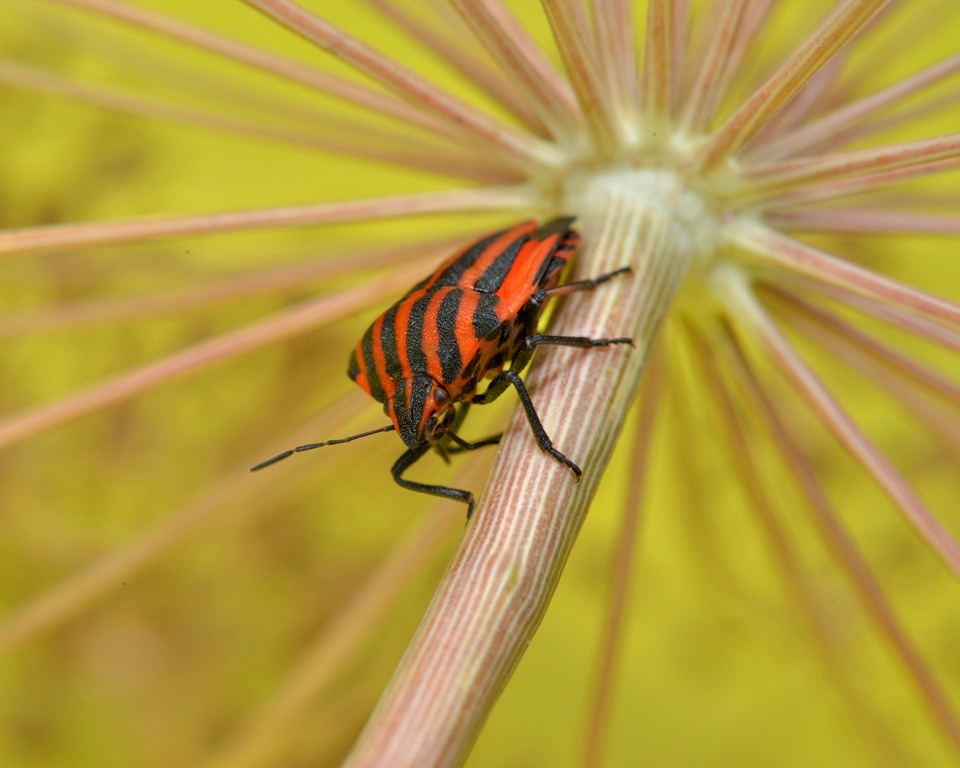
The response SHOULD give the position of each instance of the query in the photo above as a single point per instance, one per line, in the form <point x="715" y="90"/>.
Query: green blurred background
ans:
<point x="717" y="670"/>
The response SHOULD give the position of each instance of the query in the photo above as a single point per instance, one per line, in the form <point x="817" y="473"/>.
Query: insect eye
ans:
<point x="440" y="397"/>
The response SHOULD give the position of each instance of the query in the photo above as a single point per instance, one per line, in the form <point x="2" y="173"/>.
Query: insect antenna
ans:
<point x="311" y="446"/>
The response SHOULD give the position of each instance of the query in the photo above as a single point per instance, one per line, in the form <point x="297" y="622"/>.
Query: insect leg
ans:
<point x="577" y="285"/>
<point x="496" y="388"/>
<point x="571" y="341"/>
<point x="407" y="460"/>
<point x="525" y="352"/>
<point x="461" y="445"/>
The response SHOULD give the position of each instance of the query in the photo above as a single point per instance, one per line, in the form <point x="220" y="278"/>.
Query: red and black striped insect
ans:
<point x="475" y="314"/>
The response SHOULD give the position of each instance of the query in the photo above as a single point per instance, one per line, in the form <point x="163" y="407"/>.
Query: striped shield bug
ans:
<point x="474" y="317"/>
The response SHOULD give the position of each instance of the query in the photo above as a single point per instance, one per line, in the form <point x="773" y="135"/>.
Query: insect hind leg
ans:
<point x="407" y="460"/>
<point x="496" y="388"/>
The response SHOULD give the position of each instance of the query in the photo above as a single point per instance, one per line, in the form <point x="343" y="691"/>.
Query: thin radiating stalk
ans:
<point x="817" y="51"/>
<point x="744" y="306"/>
<point x="286" y="324"/>
<point x="204" y="295"/>
<point x="812" y="132"/>
<point x="433" y="158"/>
<point x="823" y="91"/>
<point x="622" y="570"/>
<point x="859" y="132"/>
<point x="814" y="97"/>
<point x="864" y="220"/>
<point x="908" y="382"/>
<point x="894" y="316"/>
<point x="77" y="236"/>
<point x="837" y="189"/>
<point x="615" y="44"/>
<point x="701" y="96"/>
<point x="232" y="93"/>
<point x="657" y="82"/>
<point x="679" y="43"/>
<point x="836" y="327"/>
<point x="749" y="30"/>
<point x="584" y="74"/>
<point x="497" y="588"/>
<point x="265" y="739"/>
<point x="451" y="49"/>
<point x="74" y="594"/>
<point x="264" y="62"/>
<point x="845" y="553"/>
<point x="501" y="580"/>
<point x="522" y="148"/>
<point x="785" y="557"/>
<point x="779" y="250"/>
<point x="510" y="46"/>
<point x="765" y="180"/>
<point x="704" y="533"/>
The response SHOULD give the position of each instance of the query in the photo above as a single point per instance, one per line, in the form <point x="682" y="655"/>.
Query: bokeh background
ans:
<point x="171" y="666"/>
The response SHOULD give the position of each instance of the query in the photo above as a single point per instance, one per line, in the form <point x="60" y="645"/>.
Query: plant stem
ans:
<point x="500" y="582"/>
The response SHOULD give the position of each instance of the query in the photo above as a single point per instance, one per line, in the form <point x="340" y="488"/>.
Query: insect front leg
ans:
<point x="460" y="445"/>
<point x="411" y="457"/>
<point x="496" y="388"/>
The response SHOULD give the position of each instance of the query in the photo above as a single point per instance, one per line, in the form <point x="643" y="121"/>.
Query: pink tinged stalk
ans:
<point x="750" y="27"/>
<point x="370" y="144"/>
<point x="623" y="565"/>
<point x="910" y="383"/>
<point x="701" y="97"/>
<point x="77" y="236"/>
<point x="845" y="552"/>
<point x="585" y="76"/>
<point x="264" y="62"/>
<point x="817" y="51"/>
<point x="501" y="35"/>
<point x="657" y="83"/>
<point x="785" y="556"/>
<point x="834" y="327"/>
<point x="522" y="148"/>
<point x="286" y="324"/>
<point x="863" y="220"/>
<point x="779" y="251"/>
<point x="899" y="318"/>
<point x="76" y="593"/>
<point x="813" y="97"/>
<point x="615" y="44"/>
<point x="814" y="132"/>
<point x="204" y="295"/>
<point x="499" y="584"/>
<point x="463" y="58"/>
<point x="744" y="306"/>
<point x="765" y="179"/>
<point x="835" y="189"/>
<point x="265" y="739"/>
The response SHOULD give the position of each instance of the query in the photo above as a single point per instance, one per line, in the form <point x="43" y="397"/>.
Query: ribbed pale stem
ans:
<point x="500" y="582"/>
